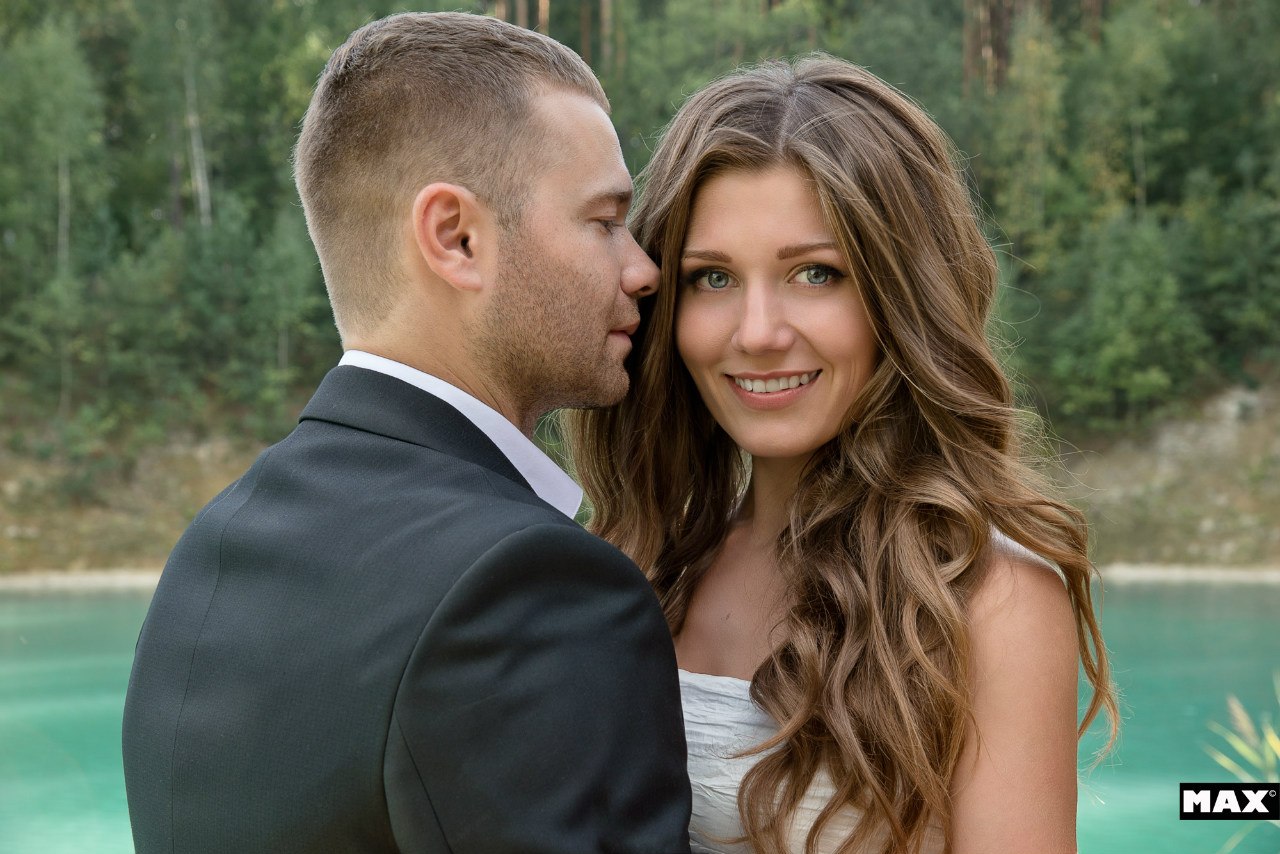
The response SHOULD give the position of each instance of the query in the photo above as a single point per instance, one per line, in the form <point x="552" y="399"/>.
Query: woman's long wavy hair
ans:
<point x="892" y="523"/>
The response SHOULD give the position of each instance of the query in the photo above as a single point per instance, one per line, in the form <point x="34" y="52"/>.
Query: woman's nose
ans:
<point x="763" y="325"/>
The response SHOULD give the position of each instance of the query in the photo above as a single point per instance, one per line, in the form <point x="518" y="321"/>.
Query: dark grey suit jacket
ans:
<point x="380" y="639"/>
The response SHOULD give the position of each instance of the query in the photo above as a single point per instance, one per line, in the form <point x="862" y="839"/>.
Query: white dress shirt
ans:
<point x="549" y="483"/>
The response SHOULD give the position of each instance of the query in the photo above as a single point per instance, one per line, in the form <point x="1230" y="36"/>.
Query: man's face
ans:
<point x="558" y="325"/>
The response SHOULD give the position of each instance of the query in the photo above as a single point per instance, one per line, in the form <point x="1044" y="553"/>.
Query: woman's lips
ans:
<point x="770" y="400"/>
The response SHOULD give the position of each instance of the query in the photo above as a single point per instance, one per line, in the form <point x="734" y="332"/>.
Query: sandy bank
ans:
<point x="80" y="580"/>
<point x="1127" y="573"/>
<point x="1118" y="573"/>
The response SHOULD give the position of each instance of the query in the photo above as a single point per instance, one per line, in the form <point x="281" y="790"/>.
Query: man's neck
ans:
<point x="457" y="371"/>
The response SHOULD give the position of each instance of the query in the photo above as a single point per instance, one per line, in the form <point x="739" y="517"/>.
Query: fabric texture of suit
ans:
<point x="380" y="639"/>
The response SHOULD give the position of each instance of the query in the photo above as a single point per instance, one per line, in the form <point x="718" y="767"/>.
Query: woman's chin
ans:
<point x="781" y="448"/>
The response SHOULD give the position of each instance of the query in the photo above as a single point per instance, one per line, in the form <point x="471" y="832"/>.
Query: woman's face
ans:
<point x="768" y="322"/>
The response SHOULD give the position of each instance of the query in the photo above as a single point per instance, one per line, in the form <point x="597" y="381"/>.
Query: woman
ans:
<point x="878" y="610"/>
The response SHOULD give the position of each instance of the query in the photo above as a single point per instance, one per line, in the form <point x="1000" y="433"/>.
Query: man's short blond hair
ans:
<point x="407" y="101"/>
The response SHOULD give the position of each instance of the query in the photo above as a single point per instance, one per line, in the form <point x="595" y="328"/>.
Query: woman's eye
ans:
<point x="818" y="274"/>
<point x="715" y="280"/>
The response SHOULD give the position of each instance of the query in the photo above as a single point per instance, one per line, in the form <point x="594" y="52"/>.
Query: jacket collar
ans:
<point x="376" y="403"/>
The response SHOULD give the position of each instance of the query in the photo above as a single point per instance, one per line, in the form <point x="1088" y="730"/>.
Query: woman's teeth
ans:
<point x="776" y="384"/>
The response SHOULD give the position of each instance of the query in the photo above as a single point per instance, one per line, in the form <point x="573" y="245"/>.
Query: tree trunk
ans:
<point x="1001" y="36"/>
<point x="986" y="47"/>
<point x="606" y="36"/>
<point x="544" y="17"/>
<point x="1139" y="167"/>
<point x="522" y="13"/>
<point x="718" y="45"/>
<point x="177" y="214"/>
<point x="64" y="216"/>
<point x="987" y="34"/>
<point x="199" y="167"/>
<point x="500" y="9"/>
<point x="64" y="377"/>
<point x="1092" y="14"/>
<point x="739" y="45"/>
<point x="622" y="46"/>
<point x="584" y="32"/>
<point x="972" y="51"/>
<point x="62" y="282"/>
<point x="282" y="347"/>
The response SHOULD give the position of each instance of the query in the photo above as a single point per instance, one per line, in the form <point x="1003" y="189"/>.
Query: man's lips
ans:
<point x="628" y="330"/>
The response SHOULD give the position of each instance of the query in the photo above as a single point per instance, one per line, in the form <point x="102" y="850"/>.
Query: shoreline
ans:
<point x="1138" y="573"/>
<point x="80" y="580"/>
<point x="141" y="579"/>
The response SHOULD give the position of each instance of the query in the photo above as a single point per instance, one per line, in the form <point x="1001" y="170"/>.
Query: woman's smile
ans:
<point x="775" y="391"/>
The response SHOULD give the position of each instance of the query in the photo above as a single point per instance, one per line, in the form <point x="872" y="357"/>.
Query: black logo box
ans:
<point x="1240" y="801"/>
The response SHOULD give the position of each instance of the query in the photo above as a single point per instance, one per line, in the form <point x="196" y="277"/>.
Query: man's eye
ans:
<point x="611" y="225"/>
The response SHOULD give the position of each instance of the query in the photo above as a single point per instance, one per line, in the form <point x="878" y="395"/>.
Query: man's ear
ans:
<point x="450" y="225"/>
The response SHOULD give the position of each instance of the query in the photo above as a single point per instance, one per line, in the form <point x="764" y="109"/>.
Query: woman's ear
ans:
<point x="450" y="227"/>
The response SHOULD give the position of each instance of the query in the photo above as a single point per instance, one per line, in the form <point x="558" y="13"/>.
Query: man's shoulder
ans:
<point x="532" y="540"/>
<point x="368" y="497"/>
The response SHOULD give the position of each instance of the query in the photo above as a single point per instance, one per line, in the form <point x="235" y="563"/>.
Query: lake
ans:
<point x="1178" y="650"/>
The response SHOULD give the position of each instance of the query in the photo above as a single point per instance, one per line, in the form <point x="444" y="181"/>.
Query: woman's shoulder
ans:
<point x="1020" y="593"/>
<point x="1021" y="755"/>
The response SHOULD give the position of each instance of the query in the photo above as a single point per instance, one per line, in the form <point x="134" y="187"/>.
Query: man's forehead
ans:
<point x="576" y="131"/>
<point x="578" y="158"/>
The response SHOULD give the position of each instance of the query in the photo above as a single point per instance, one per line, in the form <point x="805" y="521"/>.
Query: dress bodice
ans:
<point x="721" y="720"/>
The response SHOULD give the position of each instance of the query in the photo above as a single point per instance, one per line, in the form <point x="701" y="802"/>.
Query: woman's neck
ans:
<point x="773" y="483"/>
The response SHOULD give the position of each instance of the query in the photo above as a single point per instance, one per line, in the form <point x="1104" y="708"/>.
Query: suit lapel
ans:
<point x="376" y="403"/>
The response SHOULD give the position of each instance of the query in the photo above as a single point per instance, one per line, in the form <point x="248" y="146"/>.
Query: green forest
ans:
<point x="156" y="278"/>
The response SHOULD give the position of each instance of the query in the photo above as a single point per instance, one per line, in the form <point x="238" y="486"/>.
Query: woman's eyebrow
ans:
<point x="801" y="248"/>
<point x="707" y="255"/>
<point x="783" y="254"/>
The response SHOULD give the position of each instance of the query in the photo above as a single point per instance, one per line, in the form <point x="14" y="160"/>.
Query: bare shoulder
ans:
<point x="1020" y="590"/>
<point x="1024" y="655"/>
<point x="1020" y="756"/>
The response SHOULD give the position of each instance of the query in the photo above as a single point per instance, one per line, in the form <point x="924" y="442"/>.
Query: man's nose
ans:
<point x="763" y="324"/>
<point x="639" y="273"/>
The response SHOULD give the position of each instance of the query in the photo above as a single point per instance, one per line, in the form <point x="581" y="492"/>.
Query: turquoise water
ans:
<point x="1178" y="651"/>
<point x="64" y="664"/>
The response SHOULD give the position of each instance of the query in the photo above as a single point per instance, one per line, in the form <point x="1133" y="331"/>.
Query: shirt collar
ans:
<point x="548" y="481"/>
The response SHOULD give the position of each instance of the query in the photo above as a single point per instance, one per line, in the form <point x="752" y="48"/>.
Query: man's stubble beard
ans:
<point x="535" y="342"/>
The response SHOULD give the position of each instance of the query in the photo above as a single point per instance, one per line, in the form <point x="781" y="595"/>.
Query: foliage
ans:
<point x="51" y="120"/>
<point x="154" y="265"/>
<point x="1133" y="344"/>
<point x="1251" y="753"/>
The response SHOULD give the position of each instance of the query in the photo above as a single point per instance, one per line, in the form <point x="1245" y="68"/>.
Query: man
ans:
<point x="389" y="634"/>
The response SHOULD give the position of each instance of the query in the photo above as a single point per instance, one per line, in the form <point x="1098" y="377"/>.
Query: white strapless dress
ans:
<point x="720" y="720"/>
